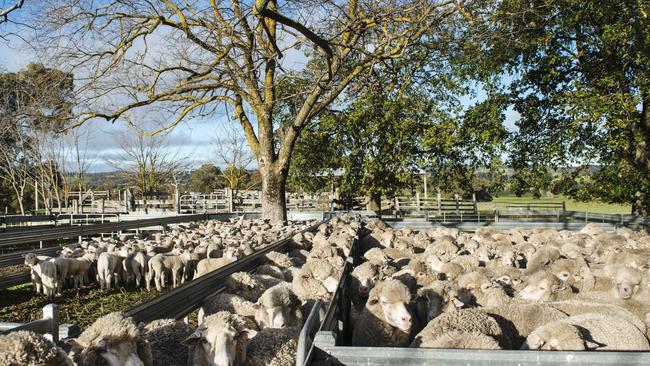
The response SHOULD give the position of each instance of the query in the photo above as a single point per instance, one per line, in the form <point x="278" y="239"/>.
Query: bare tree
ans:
<point x="15" y="161"/>
<point x="235" y="157"/>
<point x="10" y="8"/>
<point x="192" y="58"/>
<point x="148" y="161"/>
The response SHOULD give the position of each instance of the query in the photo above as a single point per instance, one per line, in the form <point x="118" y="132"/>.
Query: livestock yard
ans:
<point x="323" y="292"/>
<point x="324" y="182"/>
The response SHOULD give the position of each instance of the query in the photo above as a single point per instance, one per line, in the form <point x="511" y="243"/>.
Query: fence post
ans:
<point x="51" y="313"/>
<point x="417" y="199"/>
<point x="563" y="205"/>
<point x="586" y="216"/>
<point x="496" y="215"/>
<point x="439" y="206"/>
<point x="396" y="203"/>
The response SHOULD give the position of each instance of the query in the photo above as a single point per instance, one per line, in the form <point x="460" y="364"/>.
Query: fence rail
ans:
<point x="48" y="325"/>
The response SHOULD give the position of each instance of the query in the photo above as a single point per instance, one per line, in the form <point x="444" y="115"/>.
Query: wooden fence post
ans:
<point x="439" y="206"/>
<point x="417" y="200"/>
<point x="51" y="313"/>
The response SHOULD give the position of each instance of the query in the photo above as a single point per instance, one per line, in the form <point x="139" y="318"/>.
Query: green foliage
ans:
<point x="376" y="141"/>
<point x="580" y="73"/>
<point x="206" y="179"/>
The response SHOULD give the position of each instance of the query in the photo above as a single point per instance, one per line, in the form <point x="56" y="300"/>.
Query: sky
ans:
<point x="192" y="139"/>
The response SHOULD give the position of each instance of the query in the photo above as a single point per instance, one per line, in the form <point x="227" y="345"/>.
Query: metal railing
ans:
<point x="48" y="325"/>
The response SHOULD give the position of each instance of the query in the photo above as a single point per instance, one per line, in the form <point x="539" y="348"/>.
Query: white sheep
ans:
<point x="24" y="348"/>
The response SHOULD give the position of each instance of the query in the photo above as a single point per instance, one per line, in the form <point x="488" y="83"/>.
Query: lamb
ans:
<point x="462" y="340"/>
<point x="462" y="322"/>
<point x="220" y="340"/>
<point x="108" y="265"/>
<point x="385" y="320"/>
<point x="135" y="265"/>
<point x="113" y="339"/>
<point x="44" y="274"/>
<point x="212" y="264"/>
<point x="270" y="270"/>
<point x="589" y="331"/>
<point x="25" y="348"/>
<point x="161" y="264"/>
<point x="363" y="280"/>
<point x="376" y="256"/>
<point x="164" y="337"/>
<point x="278" y="307"/>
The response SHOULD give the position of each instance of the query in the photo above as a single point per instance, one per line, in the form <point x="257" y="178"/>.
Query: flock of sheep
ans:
<point x="174" y="257"/>
<point x="516" y="289"/>
<point x="255" y="321"/>
<point x="439" y="288"/>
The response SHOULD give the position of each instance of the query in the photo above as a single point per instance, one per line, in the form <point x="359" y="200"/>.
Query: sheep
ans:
<point x="461" y="321"/>
<point x="275" y="347"/>
<point x="519" y="320"/>
<point x="108" y="265"/>
<point x="164" y="337"/>
<point x="575" y="307"/>
<point x="385" y="321"/>
<point x="436" y="298"/>
<point x="363" y="279"/>
<point x="544" y="286"/>
<point x="161" y="264"/>
<point x="315" y="280"/>
<point x="278" y="307"/>
<point x="25" y="348"/>
<point x="227" y="302"/>
<point x="463" y="340"/>
<point x="588" y="331"/>
<point x="44" y="274"/>
<point x="113" y="339"/>
<point x="267" y="269"/>
<point x="212" y="264"/>
<point x="220" y="340"/>
<point x="245" y="285"/>
<point x="542" y="257"/>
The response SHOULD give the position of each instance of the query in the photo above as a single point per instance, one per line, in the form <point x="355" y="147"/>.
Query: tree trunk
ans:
<point x="273" y="197"/>
<point x="641" y="202"/>
<point x="374" y="204"/>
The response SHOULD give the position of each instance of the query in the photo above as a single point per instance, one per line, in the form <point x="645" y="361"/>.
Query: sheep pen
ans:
<point x="190" y="243"/>
<point x="523" y="283"/>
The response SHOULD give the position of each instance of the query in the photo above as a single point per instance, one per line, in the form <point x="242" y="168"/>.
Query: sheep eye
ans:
<point x="543" y="288"/>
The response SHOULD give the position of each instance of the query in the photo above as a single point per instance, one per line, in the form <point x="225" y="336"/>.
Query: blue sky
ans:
<point x="190" y="138"/>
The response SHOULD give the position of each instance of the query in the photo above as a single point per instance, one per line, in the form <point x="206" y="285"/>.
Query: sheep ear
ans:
<point x="257" y="306"/>
<point x="192" y="338"/>
<point x="248" y="333"/>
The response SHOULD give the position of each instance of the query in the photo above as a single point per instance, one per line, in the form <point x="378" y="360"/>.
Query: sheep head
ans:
<point x="112" y="340"/>
<point x="392" y="297"/>
<point x="220" y="340"/>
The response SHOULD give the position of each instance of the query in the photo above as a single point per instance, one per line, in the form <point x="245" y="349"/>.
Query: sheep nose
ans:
<point x="278" y="324"/>
<point x="406" y="319"/>
<point x="363" y="290"/>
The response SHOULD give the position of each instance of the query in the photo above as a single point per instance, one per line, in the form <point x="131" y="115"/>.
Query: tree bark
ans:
<point x="375" y="202"/>
<point x="273" y="197"/>
<point x="641" y="202"/>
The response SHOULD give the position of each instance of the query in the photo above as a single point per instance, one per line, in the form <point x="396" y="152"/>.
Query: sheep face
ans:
<point x="364" y="278"/>
<point x="628" y="282"/>
<point x="30" y="259"/>
<point x="217" y="347"/>
<point x="392" y="296"/>
<point x="541" y="287"/>
<point x="111" y="353"/>
<point x="275" y="317"/>
<point x="558" y="337"/>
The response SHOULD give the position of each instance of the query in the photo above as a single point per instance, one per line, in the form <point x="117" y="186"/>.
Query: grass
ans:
<point x="571" y="205"/>
<point x="20" y="305"/>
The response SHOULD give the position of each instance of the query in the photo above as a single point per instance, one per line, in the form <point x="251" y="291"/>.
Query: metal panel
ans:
<point x="453" y="357"/>
<point x="12" y="259"/>
<point x="36" y="235"/>
<point x="14" y="279"/>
